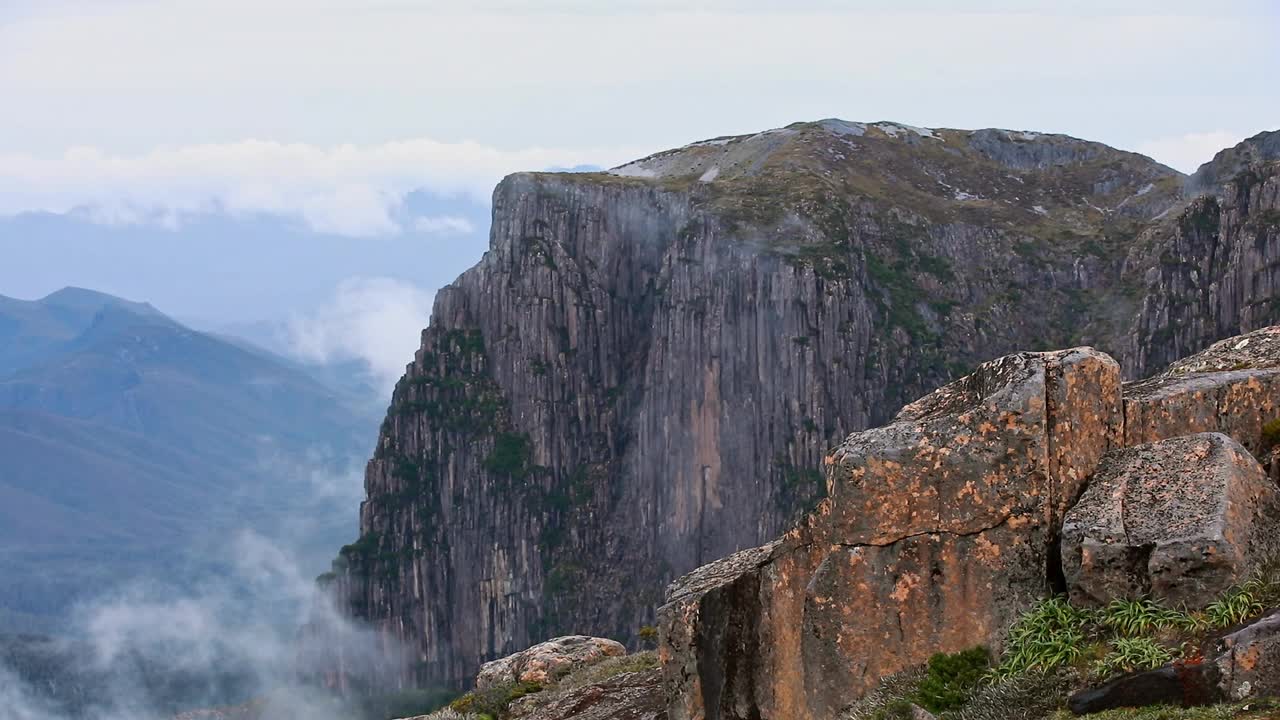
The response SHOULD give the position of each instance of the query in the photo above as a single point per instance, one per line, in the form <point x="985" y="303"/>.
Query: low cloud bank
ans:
<point x="351" y="190"/>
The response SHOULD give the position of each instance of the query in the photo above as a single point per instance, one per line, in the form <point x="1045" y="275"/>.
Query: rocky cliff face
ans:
<point x="1210" y="269"/>
<point x="646" y="369"/>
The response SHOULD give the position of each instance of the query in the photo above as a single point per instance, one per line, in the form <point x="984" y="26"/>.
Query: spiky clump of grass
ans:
<point x="1125" y="634"/>
<point x="1241" y="603"/>
<point x="1141" y="617"/>
<point x="1047" y="637"/>
<point x="1133" y="653"/>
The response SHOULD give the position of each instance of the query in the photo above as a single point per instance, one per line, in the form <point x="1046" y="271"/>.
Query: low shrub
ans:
<point x="947" y="682"/>
<point x="1270" y="435"/>
<point x="951" y="679"/>
<point x="649" y="635"/>
<point x="889" y="698"/>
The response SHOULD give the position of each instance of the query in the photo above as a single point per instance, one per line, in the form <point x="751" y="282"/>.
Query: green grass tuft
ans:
<point x="1126" y="635"/>
<point x="1133" y="653"/>
<point x="1049" y="636"/>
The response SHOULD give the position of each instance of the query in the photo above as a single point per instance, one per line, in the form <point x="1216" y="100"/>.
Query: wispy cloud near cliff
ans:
<point x="374" y="320"/>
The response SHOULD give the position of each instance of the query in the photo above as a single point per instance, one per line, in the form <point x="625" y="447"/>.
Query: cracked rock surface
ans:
<point x="1179" y="520"/>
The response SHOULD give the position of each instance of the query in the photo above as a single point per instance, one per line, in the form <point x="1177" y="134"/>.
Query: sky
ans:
<point x="238" y="161"/>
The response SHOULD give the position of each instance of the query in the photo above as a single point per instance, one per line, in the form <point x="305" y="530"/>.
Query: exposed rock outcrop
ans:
<point x="1233" y="388"/>
<point x="644" y="371"/>
<point x="1250" y="663"/>
<point x="937" y="533"/>
<point x="1178" y="520"/>
<point x="1182" y="685"/>
<point x="629" y="696"/>
<point x="569" y="678"/>
<point x="547" y="662"/>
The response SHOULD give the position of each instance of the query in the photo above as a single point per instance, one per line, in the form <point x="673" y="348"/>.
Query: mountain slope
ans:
<point x="29" y="330"/>
<point x="129" y="442"/>
<point x="648" y="366"/>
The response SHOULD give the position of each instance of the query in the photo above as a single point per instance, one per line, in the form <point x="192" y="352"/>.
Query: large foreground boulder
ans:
<point x="936" y="534"/>
<point x="1179" y="520"/>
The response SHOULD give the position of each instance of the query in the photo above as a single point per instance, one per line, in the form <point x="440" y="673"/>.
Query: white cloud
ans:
<point x="376" y="320"/>
<point x="1190" y="151"/>
<point x="346" y="189"/>
<point x="444" y="225"/>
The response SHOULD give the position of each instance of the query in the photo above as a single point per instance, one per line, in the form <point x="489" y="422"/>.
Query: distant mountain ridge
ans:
<point x="127" y="440"/>
<point x="29" y="329"/>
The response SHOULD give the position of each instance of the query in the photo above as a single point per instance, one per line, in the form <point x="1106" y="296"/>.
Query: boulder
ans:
<point x="1250" y="663"/>
<point x="936" y="534"/>
<point x="1233" y="388"/>
<point x="547" y="662"/>
<point x="628" y="696"/>
<point x="1180" y="520"/>
<point x="1181" y="684"/>
<point x="1256" y="350"/>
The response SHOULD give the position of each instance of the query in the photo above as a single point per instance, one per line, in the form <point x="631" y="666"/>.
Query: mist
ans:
<point x="149" y="650"/>
<point x="223" y="623"/>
